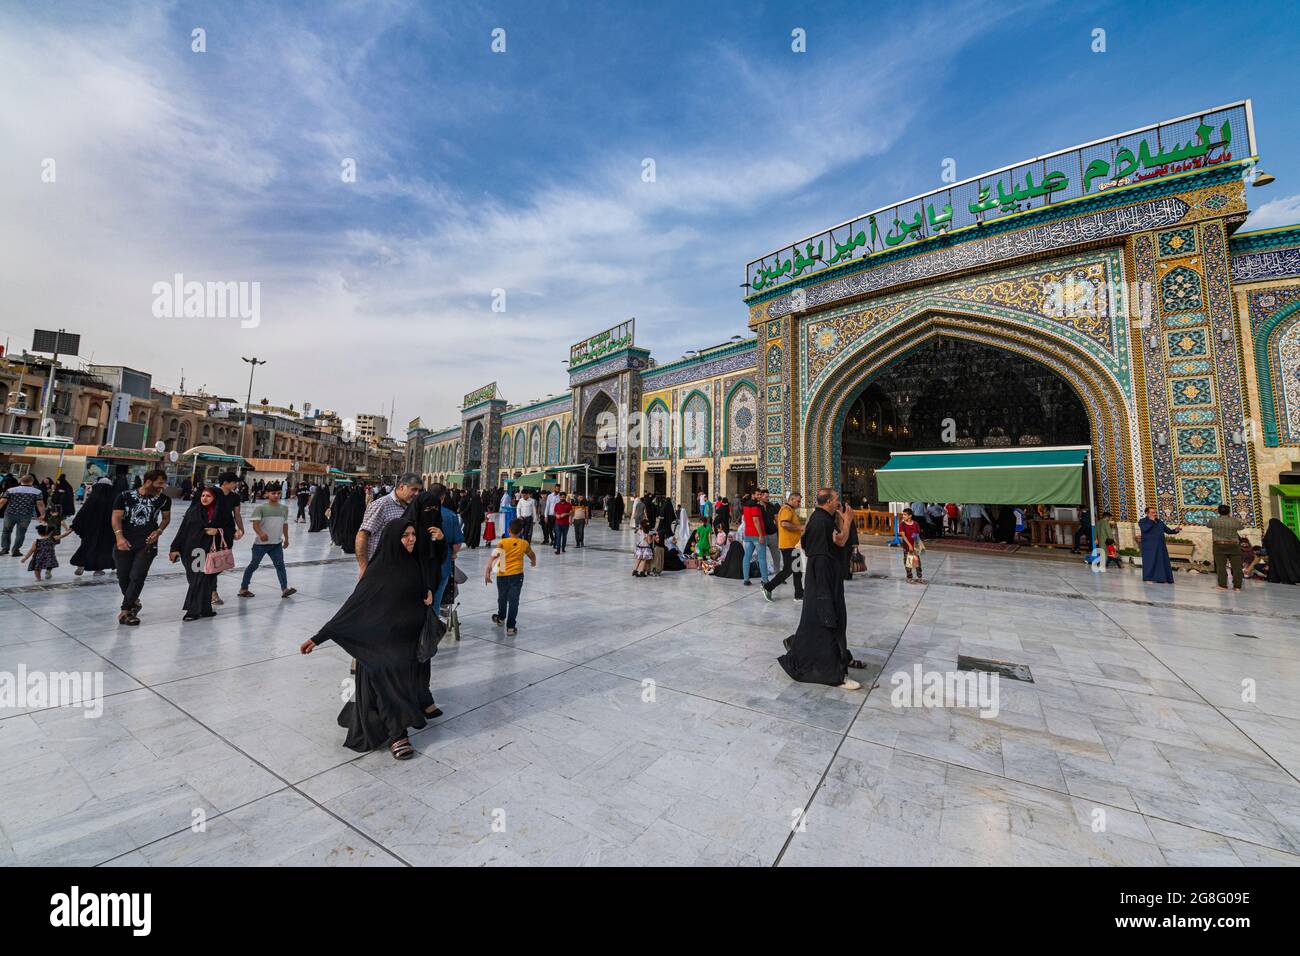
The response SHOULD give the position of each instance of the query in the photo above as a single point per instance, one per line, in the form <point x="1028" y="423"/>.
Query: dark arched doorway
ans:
<point x="954" y="393"/>
<point x="599" y="444"/>
<point x="474" y="457"/>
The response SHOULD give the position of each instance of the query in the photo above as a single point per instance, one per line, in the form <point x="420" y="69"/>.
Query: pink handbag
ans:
<point x="219" y="559"/>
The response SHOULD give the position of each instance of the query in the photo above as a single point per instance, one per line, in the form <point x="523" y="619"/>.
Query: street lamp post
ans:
<point x="254" y="362"/>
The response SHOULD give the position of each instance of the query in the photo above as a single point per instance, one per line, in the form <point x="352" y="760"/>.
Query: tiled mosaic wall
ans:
<point x="1198" y="442"/>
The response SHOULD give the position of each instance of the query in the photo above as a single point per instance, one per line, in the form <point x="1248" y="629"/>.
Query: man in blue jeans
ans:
<point x="754" y="534"/>
<point x="270" y="538"/>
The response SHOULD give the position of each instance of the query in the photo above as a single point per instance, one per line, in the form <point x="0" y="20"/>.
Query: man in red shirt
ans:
<point x="754" y="532"/>
<point x="563" y="515"/>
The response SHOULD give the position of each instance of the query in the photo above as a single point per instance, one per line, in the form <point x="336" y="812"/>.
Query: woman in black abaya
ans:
<point x="732" y="563"/>
<point x="320" y="503"/>
<point x="615" y="511"/>
<point x="380" y="626"/>
<point x="1283" y="553"/>
<point x="336" y="512"/>
<point x="351" y="513"/>
<point x="193" y="540"/>
<point x="425" y="514"/>
<point x="472" y="518"/>
<point x="818" y="652"/>
<point x="94" y="527"/>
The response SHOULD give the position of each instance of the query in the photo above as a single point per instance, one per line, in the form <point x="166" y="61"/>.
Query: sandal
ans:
<point x="402" y="749"/>
<point x="857" y="664"/>
<point x="435" y="713"/>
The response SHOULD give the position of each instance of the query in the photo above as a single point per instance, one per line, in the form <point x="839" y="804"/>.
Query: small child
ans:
<point x="1112" y="554"/>
<point x="510" y="552"/>
<point x="41" y="552"/>
<point x="643" y="550"/>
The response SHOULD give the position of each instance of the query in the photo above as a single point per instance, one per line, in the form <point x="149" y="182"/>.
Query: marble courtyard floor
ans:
<point x="555" y="747"/>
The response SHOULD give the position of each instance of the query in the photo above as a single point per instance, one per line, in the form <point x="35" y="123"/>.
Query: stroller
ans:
<point x="449" y="596"/>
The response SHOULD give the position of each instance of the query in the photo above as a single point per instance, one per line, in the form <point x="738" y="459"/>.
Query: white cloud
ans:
<point x="1276" y="212"/>
<point x="173" y="162"/>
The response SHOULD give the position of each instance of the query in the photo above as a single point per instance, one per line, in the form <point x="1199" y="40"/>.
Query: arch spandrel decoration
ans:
<point x="1082" y="298"/>
<point x="696" y="425"/>
<point x="1070" y="314"/>
<point x="741" y="420"/>
<point x="1118" y="467"/>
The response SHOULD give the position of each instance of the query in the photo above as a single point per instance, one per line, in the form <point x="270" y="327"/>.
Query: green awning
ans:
<point x="455" y="477"/>
<point x="9" y="439"/>
<point x="533" y="480"/>
<point x="1001" y="476"/>
<point x="1285" y="491"/>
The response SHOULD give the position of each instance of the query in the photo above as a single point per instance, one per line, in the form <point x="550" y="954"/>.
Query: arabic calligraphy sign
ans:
<point x="484" y="394"/>
<point x="604" y="343"/>
<point x="1196" y="141"/>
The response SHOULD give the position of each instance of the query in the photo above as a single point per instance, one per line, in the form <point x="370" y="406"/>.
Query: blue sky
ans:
<point x="522" y="170"/>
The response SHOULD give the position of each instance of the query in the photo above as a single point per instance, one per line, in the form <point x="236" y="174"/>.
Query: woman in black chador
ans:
<point x="94" y="527"/>
<point x="351" y="514"/>
<point x="818" y="652"/>
<point x="194" y="538"/>
<point x="1283" y="553"/>
<point x="336" y="512"/>
<point x="380" y="626"/>
<point x="471" y="517"/>
<point x="320" y="503"/>
<point x="615" y="515"/>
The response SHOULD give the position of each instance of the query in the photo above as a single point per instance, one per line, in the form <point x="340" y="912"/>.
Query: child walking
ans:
<point x="509" y="553"/>
<point x="1112" y="554"/>
<point x="910" y="533"/>
<point x="41" y="552"/>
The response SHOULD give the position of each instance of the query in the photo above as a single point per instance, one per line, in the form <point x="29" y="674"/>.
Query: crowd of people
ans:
<point x="406" y="539"/>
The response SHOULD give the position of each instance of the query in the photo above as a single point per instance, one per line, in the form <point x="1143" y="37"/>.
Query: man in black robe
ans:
<point x="818" y="652"/>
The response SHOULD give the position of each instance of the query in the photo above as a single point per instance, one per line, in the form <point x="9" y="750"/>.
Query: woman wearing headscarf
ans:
<point x="320" y="503"/>
<point x="1283" y="553"/>
<point x="471" y="518"/>
<point x="667" y="517"/>
<point x="94" y="527"/>
<point x="194" y="538"/>
<point x="1155" y="553"/>
<point x="351" y="513"/>
<point x="336" y="512"/>
<point x="379" y="625"/>
<point x="615" y="509"/>
<point x="65" y="497"/>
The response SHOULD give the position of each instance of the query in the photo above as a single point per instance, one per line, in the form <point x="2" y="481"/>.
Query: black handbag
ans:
<point x="430" y="635"/>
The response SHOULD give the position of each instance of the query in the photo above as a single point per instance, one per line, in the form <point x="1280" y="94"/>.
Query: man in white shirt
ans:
<point x="526" y="512"/>
<point x="548" y="526"/>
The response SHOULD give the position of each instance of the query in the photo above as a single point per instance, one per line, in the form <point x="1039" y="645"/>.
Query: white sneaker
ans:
<point x="850" y="685"/>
